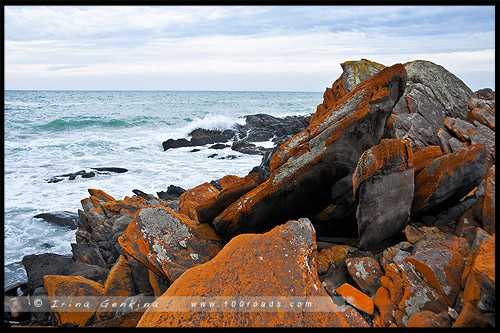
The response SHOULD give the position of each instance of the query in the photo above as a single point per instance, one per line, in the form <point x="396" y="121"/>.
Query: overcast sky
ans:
<point x="236" y="48"/>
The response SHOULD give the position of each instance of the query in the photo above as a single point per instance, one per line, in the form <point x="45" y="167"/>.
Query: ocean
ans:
<point x="48" y="133"/>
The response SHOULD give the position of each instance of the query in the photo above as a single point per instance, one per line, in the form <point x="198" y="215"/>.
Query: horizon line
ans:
<point x="163" y="90"/>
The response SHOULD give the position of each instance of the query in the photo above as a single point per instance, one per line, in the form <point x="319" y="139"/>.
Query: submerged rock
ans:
<point x="86" y="174"/>
<point x="278" y="263"/>
<point x="61" y="218"/>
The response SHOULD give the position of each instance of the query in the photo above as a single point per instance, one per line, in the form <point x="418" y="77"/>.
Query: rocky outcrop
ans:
<point x="285" y="254"/>
<point x="383" y="176"/>
<point x="309" y="163"/>
<point x="63" y="218"/>
<point x="257" y="128"/>
<point x="86" y="174"/>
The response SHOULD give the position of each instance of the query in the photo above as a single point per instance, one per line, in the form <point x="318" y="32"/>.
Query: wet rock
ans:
<point x="212" y="155"/>
<point x="248" y="148"/>
<point x="384" y="176"/>
<point x="168" y="243"/>
<point x="175" y="143"/>
<point x="306" y="166"/>
<point x="39" y="265"/>
<point x="194" y="150"/>
<point x="111" y="169"/>
<point x="173" y="192"/>
<point x="76" y="286"/>
<point x="366" y="272"/>
<point x="278" y="263"/>
<point x="356" y="298"/>
<point x="218" y="146"/>
<point x="86" y="174"/>
<point x="62" y="218"/>
<point x="448" y="178"/>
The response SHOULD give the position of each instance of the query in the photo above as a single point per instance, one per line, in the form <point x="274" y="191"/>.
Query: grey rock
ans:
<point x="61" y="218"/>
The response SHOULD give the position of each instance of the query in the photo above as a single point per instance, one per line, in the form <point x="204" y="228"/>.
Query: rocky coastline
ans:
<point x="381" y="204"/>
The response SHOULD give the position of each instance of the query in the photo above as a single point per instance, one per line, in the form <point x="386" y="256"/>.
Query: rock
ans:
<point x="62" y="218"/>
<point x="277" y="263"/>
<point x="366" y="272"/>
<point x="39" y="265"/>
<point x="173" y="192"/>
<point x="335" y="276"/>
<point x="219" y="146"/>
<point x="168" y="243"/>
<point x="385" y="307"/>
<point x="190" y="200"/>
<point x="140" y="277"/>
<point x="428" y="319"/>
<point x="119" y="281"/>
<point x="353" y="73"/>
<point x="194" y="150"/>
<point x="307" y="165"/>
<point x="486" y="204"/>
<point x="335" y="255"/>
<point x="201" y="136"/>
<point x="75" y="286"/>
<point x="88" y="254"/>
<point x="356" y="298"/>
<point x="248" y="148"/>
<point x="475" y="133"/>
<point x="123" y="316"/>
<point x="479" y="293"/>
<point x="482" y="108"/>
<point x="439" y="258"/>
<point x="86" y="174"/>
<point x="422" y="157"/>
<point x="212" y="155"/>
<point x="175" y="143"/>
<point x="111" y="169"/>
<point x="384" y="176"/>
<point x="448" y="178"/>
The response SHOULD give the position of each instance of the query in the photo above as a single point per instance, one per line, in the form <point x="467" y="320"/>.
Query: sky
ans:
<point x="257" y="48"/>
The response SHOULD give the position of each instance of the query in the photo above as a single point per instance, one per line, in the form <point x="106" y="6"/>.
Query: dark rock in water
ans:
<point x="173" y="192"/>
<point x="218" y="146"/>
<point x="245" y="147"/>
<point x="39" y="265"/>
<point x="212" y="155"/>
<point x="16" y="289"/>
<point x="228" y="157"/>
<point x="47" y="245"/>
<point x="201" y="136"/>
<point x="383" y="178"/>
<point x="194" y="150"/>
<point x="112" y="169"/>
<point x="306" y="166"/>
<point x="62" y="218"/>
<point x="175" y="143"/>
<point x="88" y="175"/>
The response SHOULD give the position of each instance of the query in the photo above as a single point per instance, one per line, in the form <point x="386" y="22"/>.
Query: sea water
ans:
<point x="48" y="133"/>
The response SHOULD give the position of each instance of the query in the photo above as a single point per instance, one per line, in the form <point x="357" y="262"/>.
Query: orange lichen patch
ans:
<point x="424" y="156"/>
<point x="231" y="191"/>
<point x="482" y="273"/>
<point x="390" y="155"/>
<point x="127" y="206"/>
<point x="100" y="195"/>
<point x="119" y="281"/>
<point x="384" y="306"/>
<point x="155" y="283"/>
<point x="194" y="197"/>
<point x="229" y="180"/>
<point x="356" y="298"/>
<point x="464" y="133"/>
<point x="335" y="254"/>
<point x="482" y="116"/>
<point x="488" y="203"/>
<point x="354" y="318"/>
<point x="72" y="286"/>
<point x="428" y="319"/>
<point x="277" y="263"/>
<point x="471" y="316"/>
<point x="441" y="169"/>
<point x="313" y="150"/>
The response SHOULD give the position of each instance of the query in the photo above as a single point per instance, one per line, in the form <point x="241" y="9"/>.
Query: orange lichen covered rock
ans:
<point x="385" y="306"/>
<point x="384" y="176"/>
<point x="488" y="202"/>
<point x="119" y="281"/>
<point x="482" y="108"/>
<point x="449" y="177"/>
<point x="424" y="156"/>
<point x="428" y="319"/>
<point x="335" y="254"/>
<point x="194" y="197"/>
<point x="479" y="292"/>
<point x="168" y="243"/>
<point x="356" y="298"/>
<point x="72" y="286"/>
<point x="306" y="166"/>
<point x="354" y="73"/>
<point x="366" y="272"/>
<point x="231" y="191"/>
<point x="390" y="155"/>
<point x="278" y="263"/>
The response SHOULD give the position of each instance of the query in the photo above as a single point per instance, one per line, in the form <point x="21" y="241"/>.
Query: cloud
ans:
<point x="203" y="48"/>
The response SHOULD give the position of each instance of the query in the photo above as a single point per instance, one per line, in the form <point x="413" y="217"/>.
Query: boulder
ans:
<point x="448" y="178"/>
<point x="62" y="218"/>
<point x="383" y="177"/>
<point x="479" y="293"/>
<point x="306" y="166"/>
<point x="422" y="157"/>
<point x="119" y="281"/>
<point x="168" y="243"/>
<point x="72" y="286"/>
<point x="429" y="319"/>
<point x="356" y="298"/>
<point x="482" y="108"/>
<point x="190" y="200"/>
<point x="366" y="272"/>
<point x="279" y="263"/>
<point x="39" y="265"/>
